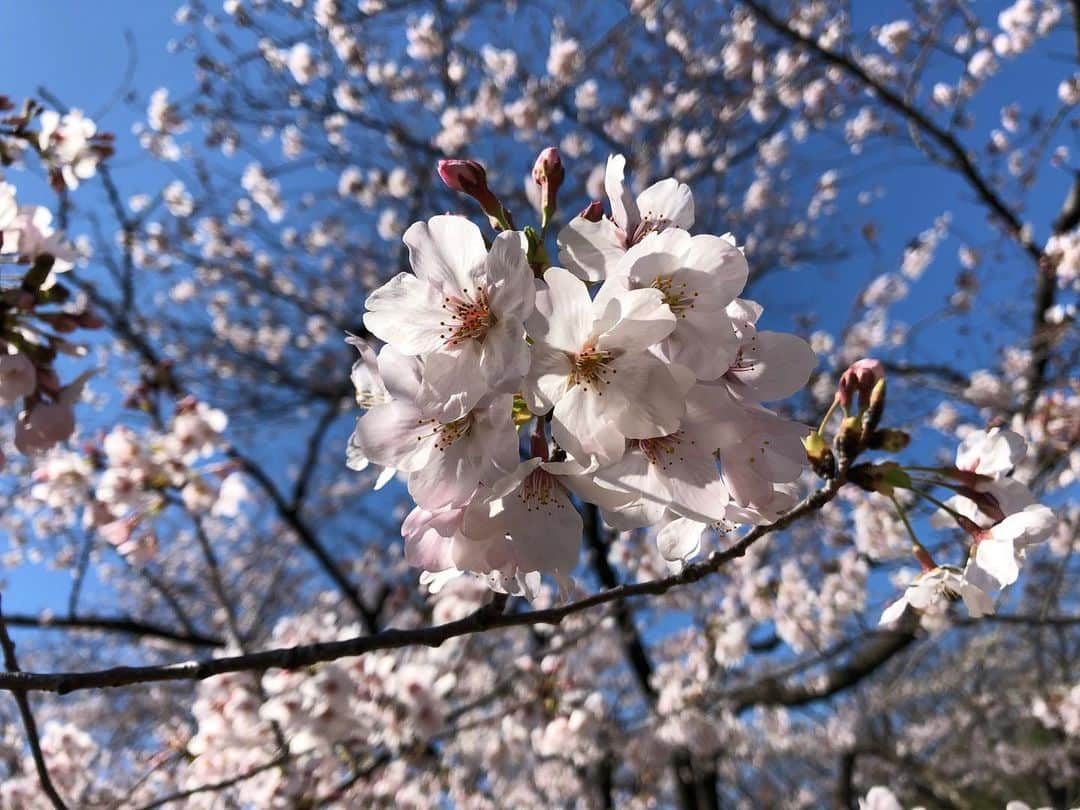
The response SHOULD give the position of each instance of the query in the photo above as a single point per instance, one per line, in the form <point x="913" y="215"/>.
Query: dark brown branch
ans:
<point x="879" y="650"/>
<point x="480" y="621"/>
<point x="216" y="786"/>
<point x="1045" y="288"/>
<point x="11" y="663"/>
<point x="637" y="656"/>
<point x="917" y="117"/>
<point x="306" y="536"/>
<point x="114" y="624"/>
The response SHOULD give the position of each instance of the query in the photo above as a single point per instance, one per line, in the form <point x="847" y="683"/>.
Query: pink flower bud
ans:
<point x="548" y="169"/>
<point x="469" y="177"/>
<point x="466" y="176"/>
<point x="594" y="211"/>
<point x="860" y="378"/>
<point x="18" y="378"/>
<point x="548" y="173"/>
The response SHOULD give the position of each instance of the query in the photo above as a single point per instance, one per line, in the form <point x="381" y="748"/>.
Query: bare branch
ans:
<point x="484" y="619"/>
<point x="114" y="624"/>
<point x="12" y="665"/>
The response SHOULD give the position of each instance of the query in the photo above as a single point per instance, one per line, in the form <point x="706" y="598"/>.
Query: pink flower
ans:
<point x="591" y="249"/>
<point x="462" y="312"/>
<point x="591" y="363"/>
<point x="18" y="378"/>
<point x="698" y="277"/>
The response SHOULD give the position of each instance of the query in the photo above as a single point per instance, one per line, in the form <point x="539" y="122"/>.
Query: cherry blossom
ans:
<point x="591" y="364"/>
<point x="591" y="249"/>
<point x="462" y="312"/>
<point x="999" y="549"/>
<point x="943" y="583"/>
<point x="698" y="276"/>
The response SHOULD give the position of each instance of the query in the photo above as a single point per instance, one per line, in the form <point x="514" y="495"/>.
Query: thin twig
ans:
<point x="216" y="786"/>
<point x="12" y="665"/>
<point x="114" y="624"/>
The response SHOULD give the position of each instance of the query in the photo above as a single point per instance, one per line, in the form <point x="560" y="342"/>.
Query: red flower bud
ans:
<point x="466" y="176"/>
<point x="548" y="169"/>
<point x="469" y="177"/>
<point x="548" y="173"/>
<point x="860" y="378"/>
<point x="594" y="211"/>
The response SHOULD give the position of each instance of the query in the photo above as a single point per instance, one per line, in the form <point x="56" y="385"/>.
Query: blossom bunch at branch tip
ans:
<point x="642" y="373"/>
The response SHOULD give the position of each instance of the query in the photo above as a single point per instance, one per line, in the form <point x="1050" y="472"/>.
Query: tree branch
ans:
<point x="917" y="117"/>
<point x="113" y="624"/>
<point x="12" y="665"/>
<point x="486" y="618"/>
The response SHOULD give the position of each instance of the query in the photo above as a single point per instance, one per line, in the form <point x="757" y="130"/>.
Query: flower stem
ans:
<point x="917" y="549"/>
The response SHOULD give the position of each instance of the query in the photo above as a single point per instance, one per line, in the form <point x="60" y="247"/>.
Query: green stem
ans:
<point x="828" y="415"/>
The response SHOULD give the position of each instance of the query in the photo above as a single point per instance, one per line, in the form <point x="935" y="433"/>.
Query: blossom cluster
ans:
<point x="635" y="371"/>
<point x="999" y="514"/>
<point x="36" y="312"/>
<point x="123" y="484"/>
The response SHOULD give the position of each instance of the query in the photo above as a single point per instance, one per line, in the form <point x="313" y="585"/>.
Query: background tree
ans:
<point x="901" y="178"/>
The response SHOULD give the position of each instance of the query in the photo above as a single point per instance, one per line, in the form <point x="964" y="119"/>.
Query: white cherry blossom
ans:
<point x="993" y="452"/>
<point x="1000" y="549"/>
<point x="592" y="249"/>
<point x="592" y="365"/>
<point x="675" y="473"/>
<point x="698" y="277"/>
<point x="945" y="582"/>
<point x="445" y="461"/>
<point x="768" y="366"/>
<point x="462" y="312"/>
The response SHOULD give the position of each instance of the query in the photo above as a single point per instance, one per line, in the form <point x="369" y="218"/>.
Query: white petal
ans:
<point x="773" y="365"/>
<point x="446" y="251"/>
<point x="395" y="435"/>
<point x="568" y="320"/>
<point x="582" y="425"/>
<point x="1033" y="525"/>
<point x="668" y="200"/>
<point x="650" y="399"/>
<point x="591" y="250"/>
<point x="504" y="357"/>
<point x="894" y="611"/>
<point x="704" y="342"/>
<point x="547" y="378"/>
<point x="513" y="286"/>
<point x="680" y="539"/>
<point x="624" y="209"/>
<point x="634" y="320"/>
<point x="400" y="373"/>
<point x="452" y="383"/>
<point x="697" y="490"/>
<point x="998" y="559"/>
<point x="406" y="313"/>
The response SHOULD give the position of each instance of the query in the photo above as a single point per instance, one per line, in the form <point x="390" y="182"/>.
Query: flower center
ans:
<point x="448" y="433"/>
<point x="591" y="367"/>
<point x="662" y="451"/>
<point x="538" y="490"/>
<point x="649" y="224"/>
<point x="470" y="318"/>
<point x="741" y="364"/>
<point x="677" y="294"/>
